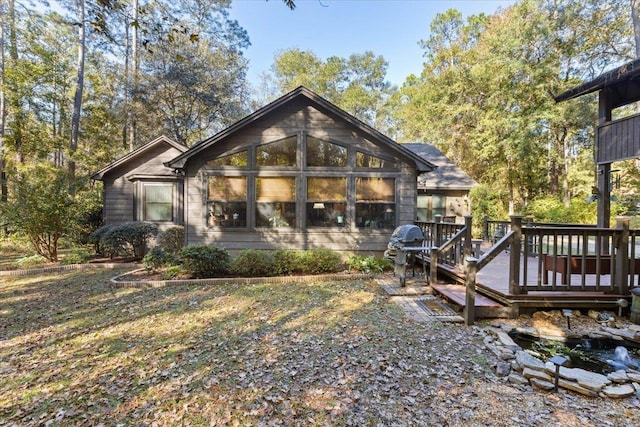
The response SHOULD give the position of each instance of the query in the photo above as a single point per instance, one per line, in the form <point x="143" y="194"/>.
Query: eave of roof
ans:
<point x="448" y="176"/>
<point x="623" y="73"/>
<point x="180" y="161"/>
<point x="98" y="176"/>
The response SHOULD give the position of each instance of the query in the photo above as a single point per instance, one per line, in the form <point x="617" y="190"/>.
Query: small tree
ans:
<point x="41" y="208"/>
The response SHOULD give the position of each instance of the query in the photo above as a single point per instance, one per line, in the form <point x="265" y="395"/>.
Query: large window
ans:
<point x="238" y="160"/>
<point x="325" y="153"/>
<point x="279" y="153"/>
<point x="375" y="203"/>
<point x="367" y="161"/>
<point x="158" y="202"/>
<point x="227" y="201"/>
<point x="275" y="202"/>
<point x="326" y="201"/>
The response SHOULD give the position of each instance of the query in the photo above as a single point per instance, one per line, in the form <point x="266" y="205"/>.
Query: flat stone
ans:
<point x="542" y="384"/>
<point x="566" y="373"/>
<point x="619" y="391"/>
<point x="574" y="386"/>
<point x="503" y="369"/>
<point x="619" y="377"/>
<point x="506" y="353"/>
<point x="528" y="331"/>
<point x="623" y="333"/>
<point x="526" y="360"/>
<point x="515" y="378"/>
<point x="633" y="376"/>
<point x="552" y="333"/>
<point x="506" y="340"/>
<point x="533" y="373"/>
<point x="590" y="380"/>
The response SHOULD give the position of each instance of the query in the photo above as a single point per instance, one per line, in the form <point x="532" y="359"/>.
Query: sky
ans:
<point x="391" y="28"/>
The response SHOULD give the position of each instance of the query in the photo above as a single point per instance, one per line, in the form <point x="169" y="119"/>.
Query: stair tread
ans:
<point x="457" y="293"/>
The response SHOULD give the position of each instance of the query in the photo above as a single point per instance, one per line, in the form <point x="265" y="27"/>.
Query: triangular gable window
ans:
<point x="325" y="153"/>
<point x="238" y="160"/>
<point x="279" y="153"/>
<point x="368" y="161"/>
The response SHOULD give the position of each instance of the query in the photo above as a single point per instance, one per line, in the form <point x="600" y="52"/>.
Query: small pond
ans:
<point x="601" y="355"/>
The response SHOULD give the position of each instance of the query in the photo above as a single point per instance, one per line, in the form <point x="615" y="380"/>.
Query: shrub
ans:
<point x="76" y="256"/>
<point x="317" y="261"/>
<point x="369" y="264"/>
<point x="202" y="261"/>
<point x="253" y="263"/>
<point x="155" y="259"/>
<point x="287" y="261"/>
<point x="130" y="238"/>
<point x="95" y="238"/>
<point x="32" y="261"/>
<point x="171" y="241"/>
<point x="172" y="272"/>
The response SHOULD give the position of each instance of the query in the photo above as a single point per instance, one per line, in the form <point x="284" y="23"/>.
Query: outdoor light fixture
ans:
<point x="567" y="313"/>
<point x="557" y="361"/>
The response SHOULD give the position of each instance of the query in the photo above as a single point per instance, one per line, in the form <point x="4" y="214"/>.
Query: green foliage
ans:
<point x="128" y="239"/>
<point x="203" y="261"/>
<point x="368" y="264"/>
<point x="87" y="212"/>
<point x="171" y="240"/>
<point x="172" y="272"/>
<point x="288" y="261"/>
<point x="95" y="238"/>
<point x="31" y="261"/>
<point x="318" y="261"/>
<point x="550" y="209"/>
<point x="41" y="208"/>
<point x="487" y="201"/>
<point x="76" y="256"/>
<point x="155" y="259"/>
<point x="253" y="263"/>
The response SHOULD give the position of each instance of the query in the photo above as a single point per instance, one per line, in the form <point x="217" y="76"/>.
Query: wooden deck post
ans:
<point x="515" y="254"/>
<point x="621" y="280"/>
<point x="467" y="243"/>
<point x="470" y="291"/>
<point x="433" y="265"/>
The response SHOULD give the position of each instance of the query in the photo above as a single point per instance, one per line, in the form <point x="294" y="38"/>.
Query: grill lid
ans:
<point x="407" y="233"/>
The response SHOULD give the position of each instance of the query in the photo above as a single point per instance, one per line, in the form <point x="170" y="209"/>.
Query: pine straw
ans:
<point x="75" y="350"/>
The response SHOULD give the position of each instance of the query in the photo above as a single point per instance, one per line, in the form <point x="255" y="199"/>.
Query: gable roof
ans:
<point x="317" y="101"/>
<point x="447" y="176"/>
<point x="137" y="152"/>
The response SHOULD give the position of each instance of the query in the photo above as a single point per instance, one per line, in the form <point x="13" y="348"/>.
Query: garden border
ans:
<point x="58" y="268"/>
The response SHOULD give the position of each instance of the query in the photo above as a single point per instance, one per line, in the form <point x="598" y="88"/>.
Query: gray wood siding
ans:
<point x="619" y="140"/>
<point x="119" y="192"/>
<point x="296" y="118"/>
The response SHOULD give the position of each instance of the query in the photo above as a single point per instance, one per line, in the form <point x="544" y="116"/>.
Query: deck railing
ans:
<point x="576" y="258"/>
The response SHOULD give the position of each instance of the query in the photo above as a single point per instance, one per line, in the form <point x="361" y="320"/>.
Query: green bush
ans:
<point x="317" y="261"/>
<point x="253" y="263"/>
<point x="287" y="261"/>
<point x="155" y="259"/>
<point x="202" y="261"/>
<point x="95" y="238"/>
<point x="172" y="272"/>
<point x="171" y="241"/>
<point x="31" y="261"/>
<point x="369" y="264"/>
<point x="76" y="256"/>
<point x="129" y="239"/>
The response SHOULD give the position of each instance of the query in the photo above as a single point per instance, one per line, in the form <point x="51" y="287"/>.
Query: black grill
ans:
<point x="404" y="243"/>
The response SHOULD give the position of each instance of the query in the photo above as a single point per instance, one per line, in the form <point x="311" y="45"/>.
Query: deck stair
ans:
<point x="484" y="307"/>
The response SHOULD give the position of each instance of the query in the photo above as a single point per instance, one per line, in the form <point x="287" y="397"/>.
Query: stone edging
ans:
<point x="522" y="369"/>
<point x="232" y="280"/>
<point x="55" y="269"/>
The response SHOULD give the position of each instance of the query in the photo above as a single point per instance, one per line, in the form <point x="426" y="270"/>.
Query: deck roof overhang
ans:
<point x="621" y="86"/>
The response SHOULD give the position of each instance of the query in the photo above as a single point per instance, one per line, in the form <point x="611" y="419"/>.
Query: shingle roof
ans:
<point x="447" y="176"/>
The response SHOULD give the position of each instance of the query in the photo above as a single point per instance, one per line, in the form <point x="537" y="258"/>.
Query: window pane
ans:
<point x="238" y="160"/>
<point x="375" y="190"/>
<point x="279" y="189"/>
<point x="325" y="153"/>
<point x="227" y="201"/>
<point x="375" y="215"/>
<point x="279" y="153"/>
<point x="276" y="202"/>
<point x="326" y="214"/>
<point x="423" y="208"/>
<point x="324" y="189"/>
<point x="158" y="202"/>
<point x="367" y="161"/>
<point x="227" y="188"/>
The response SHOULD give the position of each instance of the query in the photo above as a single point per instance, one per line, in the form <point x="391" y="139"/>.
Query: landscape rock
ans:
<point x="619" y="377"/>
<point x="542" y="384"/>
<point x="619" y="391"/>
<point x="533" y="373"/>
<point x="526" y="360"/>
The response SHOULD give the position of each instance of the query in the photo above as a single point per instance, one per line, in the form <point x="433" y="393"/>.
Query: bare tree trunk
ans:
<point x="16" y="103"/>
<point x="4" y="191"/>
<point x="135" y="67"/>
<point x="635" y="17"/>
<point x="77" y="99"/>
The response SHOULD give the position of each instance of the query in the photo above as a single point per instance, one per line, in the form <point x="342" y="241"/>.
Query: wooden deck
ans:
<point x="493" y="298"/>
